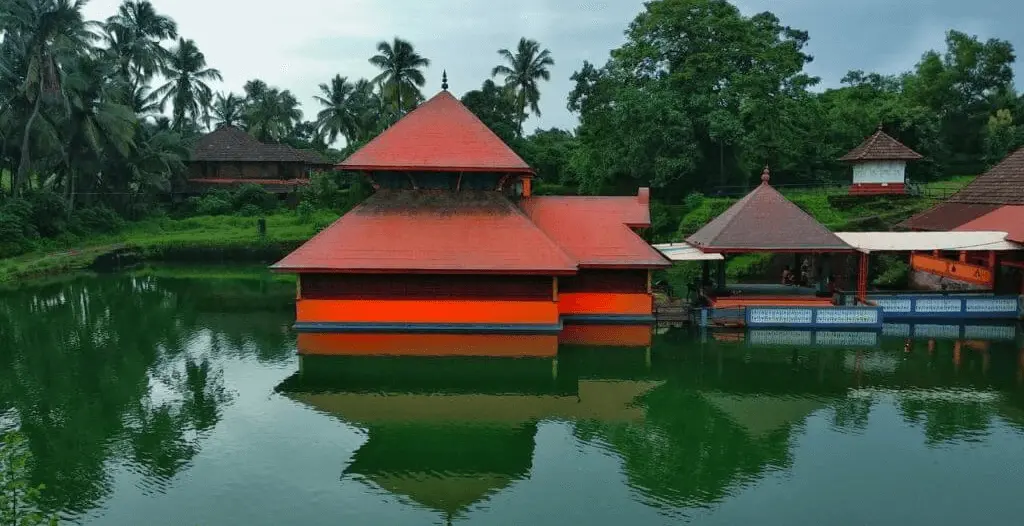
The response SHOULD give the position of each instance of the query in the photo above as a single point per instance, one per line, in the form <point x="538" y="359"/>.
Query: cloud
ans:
<point x="298" y="44"/>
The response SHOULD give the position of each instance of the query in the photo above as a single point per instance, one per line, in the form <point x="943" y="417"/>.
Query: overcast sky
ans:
<point x="298" y="44"/>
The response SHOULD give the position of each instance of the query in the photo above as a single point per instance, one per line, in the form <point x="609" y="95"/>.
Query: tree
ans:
<point x="19" y="500"/>
<point x="270" y="114"/>
<point x="228" y="110"/>
<point x="134" y="36"/>
<point x="341" y="113"/>
<point x="496" y="106"/>
<point x="524" y="69"/>
<point x="401" y="75"/>
<point x="48" y="34"/>
<point x="187" y="86"/>
<point x="698" y="88"/>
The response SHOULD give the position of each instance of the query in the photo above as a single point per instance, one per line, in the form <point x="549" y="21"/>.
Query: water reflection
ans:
<point x="127" y="368"/>
<point x="134" y="380"/>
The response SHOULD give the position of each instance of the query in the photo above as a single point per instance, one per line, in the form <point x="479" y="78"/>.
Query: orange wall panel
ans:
<point x="426" y="311"/>
<point x="507" y="345"/>
<point x="604" y="303"/>
<point x="952" y="269"/>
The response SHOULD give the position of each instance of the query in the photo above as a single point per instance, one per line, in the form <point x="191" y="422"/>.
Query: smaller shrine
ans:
<point x="880" y="165"/>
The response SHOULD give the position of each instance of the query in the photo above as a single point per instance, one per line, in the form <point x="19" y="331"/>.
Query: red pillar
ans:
<point x="862" y="277"/>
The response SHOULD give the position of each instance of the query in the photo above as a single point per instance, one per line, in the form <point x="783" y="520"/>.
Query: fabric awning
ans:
<point x="926" y="241"/>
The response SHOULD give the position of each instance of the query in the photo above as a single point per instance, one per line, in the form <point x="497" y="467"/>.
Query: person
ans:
<point x="805" y="273"/>
<point x="787" y="276"/>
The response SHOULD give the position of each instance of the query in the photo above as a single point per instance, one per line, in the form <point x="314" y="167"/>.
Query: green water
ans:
<point x="176" y="397"/>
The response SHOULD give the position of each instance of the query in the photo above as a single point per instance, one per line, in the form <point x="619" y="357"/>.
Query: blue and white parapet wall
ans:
<point x="958" y="307"/>
<point x="841" y="317"/>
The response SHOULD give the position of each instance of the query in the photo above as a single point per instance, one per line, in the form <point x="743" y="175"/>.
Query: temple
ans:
<point x="879" y="165"/>
<point x="993" y="202"/>
<point x="453" y="241"/>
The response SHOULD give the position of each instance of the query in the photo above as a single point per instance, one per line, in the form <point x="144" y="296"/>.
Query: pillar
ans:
<point x="720" y="275"/>
<point x="705" y="274"/>
<point x="963" y="256"/>
<point x="862" y="277"/>
<point x="993" y="267"/>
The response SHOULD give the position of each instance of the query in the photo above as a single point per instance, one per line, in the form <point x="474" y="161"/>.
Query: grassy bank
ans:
<point x="206" y="238"/>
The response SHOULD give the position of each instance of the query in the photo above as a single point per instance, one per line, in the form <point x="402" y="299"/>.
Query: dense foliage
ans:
<point x="97" y="118"/>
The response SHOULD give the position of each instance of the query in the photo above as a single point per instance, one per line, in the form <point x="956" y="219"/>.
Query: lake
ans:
<point x="176" y="396"/>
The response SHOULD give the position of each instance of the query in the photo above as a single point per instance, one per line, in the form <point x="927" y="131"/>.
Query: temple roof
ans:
<point x="765" y="221"/>
<point x="880" y="147"/>
<point x="596" y="231"/>
<point x="230" y="144"/>
<point x="1009" y="219"/>
<point x="1002" y="185"/>
<point x="431" y="232"/>
<point x="441" y="135"/>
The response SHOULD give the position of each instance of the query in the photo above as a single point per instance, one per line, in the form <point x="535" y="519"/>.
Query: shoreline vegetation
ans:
<point x="233" y="237"/>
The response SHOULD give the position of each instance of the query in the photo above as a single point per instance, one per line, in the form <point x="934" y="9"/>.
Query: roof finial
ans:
<point x="766" y="175"/>
<point x="444" y="80"/>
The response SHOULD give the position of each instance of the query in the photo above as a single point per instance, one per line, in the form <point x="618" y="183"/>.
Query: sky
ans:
<point x="299" y="44"/>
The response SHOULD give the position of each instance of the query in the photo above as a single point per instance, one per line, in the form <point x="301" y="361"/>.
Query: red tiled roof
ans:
<point x="230" y="144"/>
<point x="1009" y="219"/>
<point x="1002" y="185"/>
<point x="881" y="147"/>
<point x="440" y="135"/>
<point x="287" y="182"/>
<point x="596" y="230"/>
<point x="431" y="232"/>
<point x="765" y="221"/>
<point x="944" y="217"/>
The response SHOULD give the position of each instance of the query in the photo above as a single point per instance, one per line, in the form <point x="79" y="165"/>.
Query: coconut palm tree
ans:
<point x="341" y="115"/>
<point x="272" y="115"/>
<point x="401" y="74"/>
<point x="228" y="110"/>
<point x="48" y="34"/>
<point x="134" y="37"/>
<point x="187" y="87"/>
<point x="523" y="70"/>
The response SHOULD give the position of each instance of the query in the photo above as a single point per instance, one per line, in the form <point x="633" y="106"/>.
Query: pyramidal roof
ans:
<point x="441" y="135"/>
<point x="765" y="221"/>
<point x="881" y="147"/>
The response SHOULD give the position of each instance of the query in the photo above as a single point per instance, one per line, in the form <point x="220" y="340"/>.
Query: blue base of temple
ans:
<point x="428" y="328"/>
<point x="948" y="307"/>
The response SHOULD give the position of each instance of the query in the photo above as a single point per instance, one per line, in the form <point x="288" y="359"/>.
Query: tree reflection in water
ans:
<point x="107" y="368"/>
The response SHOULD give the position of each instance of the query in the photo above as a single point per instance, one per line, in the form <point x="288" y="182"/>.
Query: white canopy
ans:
<point x="926" y="241"/>
<point x="685" y="252"/>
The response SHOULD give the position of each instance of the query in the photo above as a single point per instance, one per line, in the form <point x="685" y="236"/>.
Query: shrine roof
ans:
<point x="597" y="231"/>
<point x="441" y="134"/>
<point x="765" y="221"/>
<point x="431" y="232"/>
<point x="881" y="147"/>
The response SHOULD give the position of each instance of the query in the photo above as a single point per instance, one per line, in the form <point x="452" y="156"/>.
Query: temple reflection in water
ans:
<point x="451" y="429"/>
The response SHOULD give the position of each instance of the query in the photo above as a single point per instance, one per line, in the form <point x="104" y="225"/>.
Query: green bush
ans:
<point x="304" y="212"/>
<point x="213" y="205"/>
<point x="253" y="195"/>
<point x="896" y="273"/>
<point x="96" y="219"/>
<point x="693" y="201"/>
<point x="323" y="191"/>
<point x="250" y="210"/>
<point x="49" y="213"/>
<point x="16" y="234"/>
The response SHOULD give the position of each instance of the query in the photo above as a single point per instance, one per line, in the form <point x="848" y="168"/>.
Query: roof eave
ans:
<point x="411" y="168"/>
